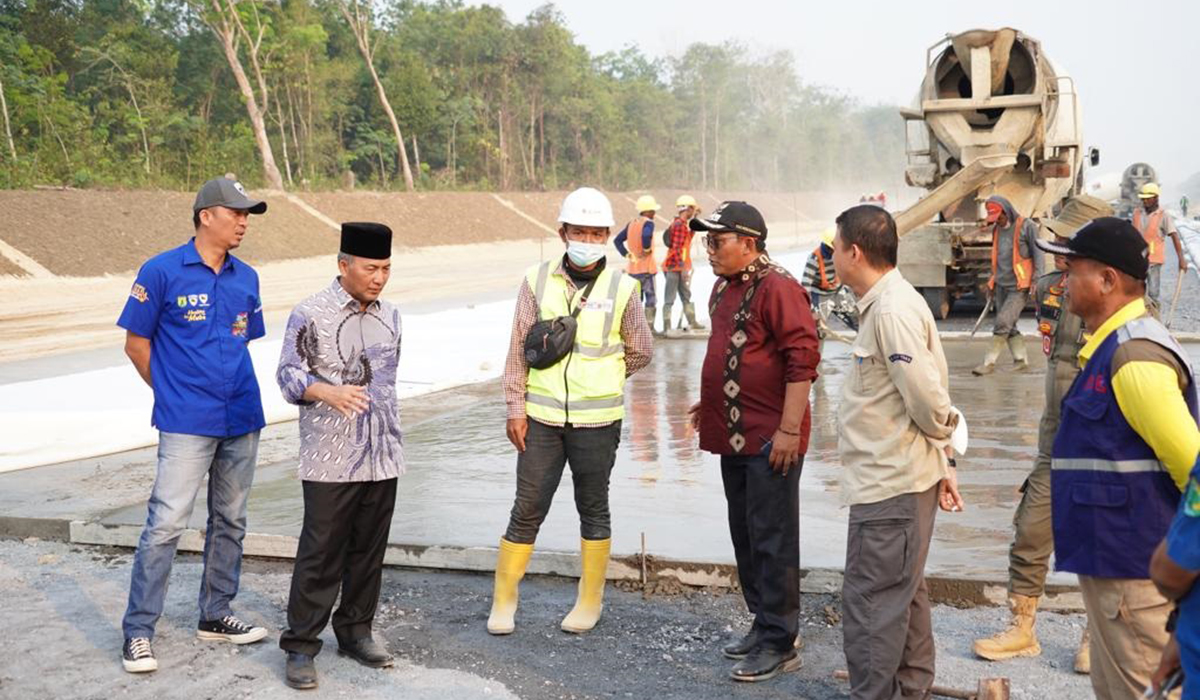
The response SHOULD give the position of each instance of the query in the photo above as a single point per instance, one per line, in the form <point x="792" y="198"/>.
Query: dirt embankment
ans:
<point x="91" y="233"/>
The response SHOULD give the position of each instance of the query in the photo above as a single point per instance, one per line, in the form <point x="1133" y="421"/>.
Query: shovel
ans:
<point x="986" y="308"/>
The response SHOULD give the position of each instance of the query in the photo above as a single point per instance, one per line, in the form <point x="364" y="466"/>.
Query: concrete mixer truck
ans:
<point x="993" y="116"/>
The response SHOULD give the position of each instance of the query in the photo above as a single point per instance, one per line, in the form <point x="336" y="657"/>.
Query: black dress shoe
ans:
<point x="739" y="649"/>
<point x="301" y="671"/>
<point x="764" y="664"/>
<point x="367" y="652"/>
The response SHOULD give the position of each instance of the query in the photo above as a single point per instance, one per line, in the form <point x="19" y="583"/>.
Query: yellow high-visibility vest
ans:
<point x="588" y="385"/>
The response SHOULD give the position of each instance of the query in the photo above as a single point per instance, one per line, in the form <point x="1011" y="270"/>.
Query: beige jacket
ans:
<point x="895" y="418"/>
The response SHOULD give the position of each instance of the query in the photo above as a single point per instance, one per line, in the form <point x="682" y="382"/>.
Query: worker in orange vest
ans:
<point x="1016" y="263"/>
<point x="639" y="251"/>
<point x="1155" y="224"/>
<point x="819" y="276"/>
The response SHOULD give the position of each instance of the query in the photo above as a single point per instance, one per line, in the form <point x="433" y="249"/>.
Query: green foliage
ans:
<point x="138" y="93"/>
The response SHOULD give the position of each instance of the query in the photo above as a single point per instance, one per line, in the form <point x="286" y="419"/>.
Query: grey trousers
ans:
<point x="1009" y="305"/>
<point x="887" y="633"/>
<point x="590" y="452"/>
<point x="1154" y="283"/>
<point x="677" y="283"/>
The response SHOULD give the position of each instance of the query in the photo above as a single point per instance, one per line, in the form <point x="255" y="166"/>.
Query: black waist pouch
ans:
<point x="549" y="341"/>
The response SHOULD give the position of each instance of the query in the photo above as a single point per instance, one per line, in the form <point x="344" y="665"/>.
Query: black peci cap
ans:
<point x="1109" y="240"/>
<point x="733" y="217"/>
<point x="366" y="240"/>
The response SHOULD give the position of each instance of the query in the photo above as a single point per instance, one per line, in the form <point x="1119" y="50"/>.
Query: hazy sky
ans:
<point x="1136" y="65"/>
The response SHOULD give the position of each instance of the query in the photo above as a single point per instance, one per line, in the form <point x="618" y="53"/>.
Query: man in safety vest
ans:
<point x="677" y="266"/>
<point x="819" y="276"/>
<point x="1033" y="540"/>
<point x="1155" y="224"/>
<point x="639" y="250"/>
<point x="1015" y="265"/>
<point x="1126" y="443"/>
<point x="570" y="412"/>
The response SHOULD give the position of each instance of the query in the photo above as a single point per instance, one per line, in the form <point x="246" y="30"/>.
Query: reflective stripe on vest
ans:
<point x="641" y="259"/>
<point x="823" y="282"/>
<point x="587" y="386"/>
<point x="1022" y="266"/>
<point x="1112" y="499"/>
<point x="1152" y="232"/>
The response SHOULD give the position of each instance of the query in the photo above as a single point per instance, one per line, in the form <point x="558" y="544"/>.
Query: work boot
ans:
<point x="666" y="318"/>
<point x="689" y="310"/>
<point x="1016" y="344"/>
<point x="1083" y="657"/>
<point x="1018" y="639"/>
<point x="989" y="360"/>
<point x="510" y="569"/>
<point x="367" y="652"/>
<point x="763" y="664"/>
<point x="590" y="600"/>
<point x="650" y="314"/>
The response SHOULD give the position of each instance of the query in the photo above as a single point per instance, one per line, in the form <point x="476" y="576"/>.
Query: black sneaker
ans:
<point x="137" y="656"/>
<point x="230" y="629"/>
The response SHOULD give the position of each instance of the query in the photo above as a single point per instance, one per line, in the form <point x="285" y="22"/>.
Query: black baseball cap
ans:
<point x="221" y="191"/>
<point x="1108" y="240"/>
<point x="733" y="217"/>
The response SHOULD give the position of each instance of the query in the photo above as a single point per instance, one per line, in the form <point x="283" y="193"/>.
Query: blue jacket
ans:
<point x="1113" y="500"/>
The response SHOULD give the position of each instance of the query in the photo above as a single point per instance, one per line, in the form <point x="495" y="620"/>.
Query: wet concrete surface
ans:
<point x="460" y="481"/>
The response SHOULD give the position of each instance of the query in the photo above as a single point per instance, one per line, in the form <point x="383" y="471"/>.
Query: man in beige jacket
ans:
<point x="896" y="421"/>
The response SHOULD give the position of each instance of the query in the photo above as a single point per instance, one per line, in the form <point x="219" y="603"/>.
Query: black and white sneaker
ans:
<point x="137" y="656"/>
<point x="230" y="629"/>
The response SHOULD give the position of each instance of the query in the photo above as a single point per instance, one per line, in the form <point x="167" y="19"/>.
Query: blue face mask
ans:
<point x="584" y="254"/>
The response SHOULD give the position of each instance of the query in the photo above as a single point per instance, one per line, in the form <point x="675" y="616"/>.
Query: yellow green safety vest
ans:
<point x="586" y="386"/>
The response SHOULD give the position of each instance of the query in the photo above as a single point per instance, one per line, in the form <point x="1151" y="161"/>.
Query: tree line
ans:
<point x="428" y="95"/>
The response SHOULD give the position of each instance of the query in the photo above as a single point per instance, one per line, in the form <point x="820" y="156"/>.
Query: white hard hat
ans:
<point x="586" y="207"/>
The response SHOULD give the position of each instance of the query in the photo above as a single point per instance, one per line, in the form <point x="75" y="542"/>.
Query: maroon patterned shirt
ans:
<point x="781" y="348"/>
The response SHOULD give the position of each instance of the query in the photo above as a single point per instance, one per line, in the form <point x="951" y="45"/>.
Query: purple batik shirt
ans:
<point x="330" y="338"/>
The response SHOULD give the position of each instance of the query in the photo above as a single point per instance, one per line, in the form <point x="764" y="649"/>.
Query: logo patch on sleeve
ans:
<point x="899" y="357"/>
<point x="1192" y="499"/>
<point x="139" y="292"/>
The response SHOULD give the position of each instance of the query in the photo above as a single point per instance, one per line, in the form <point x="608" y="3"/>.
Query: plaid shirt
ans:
<point x="635" y="333"/>
<point x="679" y="257"/>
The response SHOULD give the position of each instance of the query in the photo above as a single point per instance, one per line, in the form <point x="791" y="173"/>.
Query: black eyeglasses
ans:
<point x="712" y="241"/>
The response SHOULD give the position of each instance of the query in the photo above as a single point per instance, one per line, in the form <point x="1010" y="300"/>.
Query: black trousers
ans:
<point x="342" y="544"/>
<point x="764" y="523"/>
<point x="590" y="452"/>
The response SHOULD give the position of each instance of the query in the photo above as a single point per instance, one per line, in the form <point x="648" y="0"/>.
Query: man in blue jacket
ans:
<point x="1126" y="443"/>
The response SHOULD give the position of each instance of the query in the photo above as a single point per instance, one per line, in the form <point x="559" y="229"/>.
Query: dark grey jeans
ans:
<point x="1009" y="303"/>
<point x="590" y="452"/>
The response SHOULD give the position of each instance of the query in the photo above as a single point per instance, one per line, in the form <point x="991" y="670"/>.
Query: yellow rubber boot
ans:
<point x="1018" y="639"/>
<point x="510" y="569"/>
<point x="586" y="613"/>
<point x="1083" y="657"/>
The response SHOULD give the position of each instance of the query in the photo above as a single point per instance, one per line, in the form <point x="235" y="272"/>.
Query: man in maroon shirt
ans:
<point x="753" y="411"/>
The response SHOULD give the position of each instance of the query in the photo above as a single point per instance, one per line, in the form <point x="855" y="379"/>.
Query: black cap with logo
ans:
<point x="733" y="217"/>
<point x="1108" y="240"/>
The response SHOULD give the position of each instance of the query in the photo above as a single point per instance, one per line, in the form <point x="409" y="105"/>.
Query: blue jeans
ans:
<point x="183" y="462"/>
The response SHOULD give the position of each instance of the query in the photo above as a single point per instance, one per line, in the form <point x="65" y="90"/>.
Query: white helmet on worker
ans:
<point x="685" y="201"/>
<point x="647" y="203"/>
<point x="586" y="206"/>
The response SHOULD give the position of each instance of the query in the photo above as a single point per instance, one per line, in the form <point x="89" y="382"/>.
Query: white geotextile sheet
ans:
<point x="104" y="411"/>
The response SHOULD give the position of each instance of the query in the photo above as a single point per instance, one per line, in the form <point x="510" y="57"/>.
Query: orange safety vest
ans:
<point x="1022" y="266"/>
<point x="823" y="282"/>
<point x="641" y="260"/>
<point x="1152" y="232"/>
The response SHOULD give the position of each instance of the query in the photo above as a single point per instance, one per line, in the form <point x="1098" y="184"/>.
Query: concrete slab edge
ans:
<point x="950" y="590"/>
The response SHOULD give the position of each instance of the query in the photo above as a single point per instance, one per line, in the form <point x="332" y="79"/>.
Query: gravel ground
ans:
<point x="64" y="638"/>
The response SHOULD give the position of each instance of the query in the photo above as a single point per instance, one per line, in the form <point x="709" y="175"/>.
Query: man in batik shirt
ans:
<point x="338" y="364"/>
